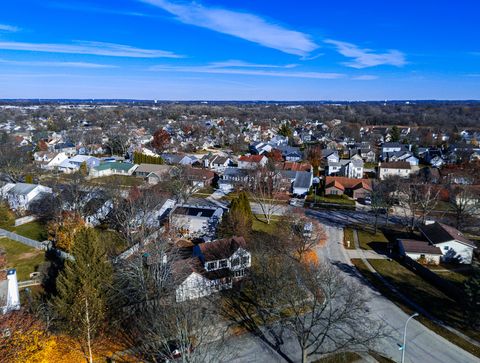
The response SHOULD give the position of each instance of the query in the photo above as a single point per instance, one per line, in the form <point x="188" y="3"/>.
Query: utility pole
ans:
<point x="404" y="346"/>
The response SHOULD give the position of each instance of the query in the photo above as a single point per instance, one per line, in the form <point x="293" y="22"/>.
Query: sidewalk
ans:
<point x="363" y="256"/>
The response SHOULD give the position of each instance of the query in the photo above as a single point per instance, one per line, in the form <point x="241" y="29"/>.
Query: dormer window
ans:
<point x="211" y="266"/>
<point x="223" y="264"/>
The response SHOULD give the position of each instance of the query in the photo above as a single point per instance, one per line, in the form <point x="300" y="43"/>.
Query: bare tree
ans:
<point x="178" y="182"/>
<point x="418" y="200"/>
<point x="464" y="202"/>
<point x="14" y="162"/>
<point x="312" y="303"/>
<point x="152" y="324"/>
<point x="264" y="187"/>
<point x="136" y="213"/>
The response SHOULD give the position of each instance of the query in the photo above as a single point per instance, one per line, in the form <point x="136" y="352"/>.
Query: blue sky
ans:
<point x="240" y="50"/>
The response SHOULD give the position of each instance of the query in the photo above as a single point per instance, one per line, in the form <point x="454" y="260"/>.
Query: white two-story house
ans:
<point x="215" y="266"/>
<point x="19" y="196"/>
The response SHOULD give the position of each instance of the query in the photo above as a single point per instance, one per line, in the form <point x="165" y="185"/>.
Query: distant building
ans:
<point x="252" y="161"/>
<point x="112" y="168"/>
<point x="19" y="196"/>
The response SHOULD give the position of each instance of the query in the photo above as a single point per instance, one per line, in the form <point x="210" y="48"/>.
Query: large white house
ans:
<point x="454" y="245"/>
<point x="215" y="266"/>
<point x="352" y="168"/>
<point x="399" y="169"/>
<point x="49" y="160"/>
<point x="196" y="221"/>
<point x="19" y="196"/>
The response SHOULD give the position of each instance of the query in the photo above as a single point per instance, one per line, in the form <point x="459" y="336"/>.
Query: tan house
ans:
<point x="355" y="188"/>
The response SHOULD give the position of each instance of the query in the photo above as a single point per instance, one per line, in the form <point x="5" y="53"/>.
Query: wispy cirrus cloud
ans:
<point x="365" y="77"/>
<point x="247" y="26"/>
<point x="242" y="64"/>
<point x="9" y="28"/>
<point x="364" y="57"/>
<point x="55" y="64"/>
<point x="89" y="47"/>
<point x="217" y="68"/>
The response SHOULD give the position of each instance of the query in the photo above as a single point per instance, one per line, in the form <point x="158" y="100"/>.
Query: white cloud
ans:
<point x="242" y="64"/>
<point x="9" y="28"/>
<point x="366" y="77"/>
<point x="94" y="48"/>
<point x="213" y="69"/>
<point x="56" y="64"/>
<point x="243" y="25"/>
<point x="364" y="58"/>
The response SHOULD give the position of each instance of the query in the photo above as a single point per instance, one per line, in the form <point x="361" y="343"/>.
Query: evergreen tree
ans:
<point x="472" y="292"/>
<point x="238" y="220"/>
<point x="7" y="218"/>
<point x="395" y="134"/>
<point x="83" y="169"/>
<point x="82" y="289"/>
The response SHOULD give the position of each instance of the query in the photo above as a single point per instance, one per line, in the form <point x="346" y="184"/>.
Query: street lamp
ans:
<point x="404" y="346"/>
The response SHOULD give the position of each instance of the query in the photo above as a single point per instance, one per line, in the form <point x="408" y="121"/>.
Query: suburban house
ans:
<point x="73" y="164"/>
<point x="364" y="151"/>
<point x="215" y="266"/>
<point x="420" y="251"/>
<point x="302" y="183"/>
<point x="68" y="148"/>
<point x="216" y="162"/>
<point x="399" y="169"/>
<point x="9" y="295"/>
<point x="330" y="155"/>
<point x="391" y="147"/>
<point x="153" y="173"/>
<point x="355" y="188"/>
<point x="49" y="160"/>
<point x="196" y="221"/>
<point x="199" y="178"/>
<point x="232" y="176"/>
<point x="19" y="196"/>
<point x="351" y="168"/>
<point x="112" y="168"/>
<point x="179" y="159"/>
<point x="403" y="155"/>
<point x="454" y="245"/>
<point x="252" y="161"/>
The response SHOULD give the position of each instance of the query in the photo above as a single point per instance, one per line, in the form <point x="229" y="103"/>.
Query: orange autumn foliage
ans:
<point x="63" y="230"/>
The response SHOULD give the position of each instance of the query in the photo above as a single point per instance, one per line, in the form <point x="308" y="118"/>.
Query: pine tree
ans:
<point x="395" y="134"/>
<point x="83" y="169"/>
<point x="472" y="292"/>
<point x="238" y="220"/>
<point x="82" y="289"/>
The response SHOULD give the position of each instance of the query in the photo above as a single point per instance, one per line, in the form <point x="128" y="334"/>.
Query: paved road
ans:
<point x="423" y="345"/>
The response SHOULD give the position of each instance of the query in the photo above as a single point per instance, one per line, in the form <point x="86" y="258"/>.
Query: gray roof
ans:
<point x="22" y="188"/>
<point x="303" y="179"/>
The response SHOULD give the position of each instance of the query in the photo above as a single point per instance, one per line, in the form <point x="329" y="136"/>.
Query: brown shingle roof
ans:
<point x="349" y="183"/>
<point x="222" y="248"/>
<point x="439" y="233"/>
<point x="395" y="165"/>
<point x="414" y="246"/>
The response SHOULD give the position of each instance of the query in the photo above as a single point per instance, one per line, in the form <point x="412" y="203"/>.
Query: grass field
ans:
<point x="347" y="357"/>
<point x="23" y="258"/>
<point x="334" y="199"/>
<point x="370" y="241"/>
<point x="260" y="225"/>
<point x="428" y="295"/>
<point x="120" y="180"/>
<point x="348" y="236"/>
<point x="33" y="230"/>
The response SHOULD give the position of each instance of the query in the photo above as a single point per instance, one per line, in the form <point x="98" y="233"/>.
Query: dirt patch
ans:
<point x="27" y="255"/>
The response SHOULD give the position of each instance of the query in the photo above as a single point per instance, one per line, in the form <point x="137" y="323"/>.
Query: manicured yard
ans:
<point x="424" y="294"/>
<point x="370" y="241"/>
<point x="118" y="180"/>
<point x="347" y="357"/>
<point x="259" y="224"/>
<point x="33" y="230"/>
<point x="404" y="287"/>
<point x="334" y="199"/>
<point x="23" y="258"/>
<point x="348" y="236"/>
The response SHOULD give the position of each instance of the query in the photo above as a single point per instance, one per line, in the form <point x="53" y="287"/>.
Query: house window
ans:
<point x="236" y="262"/>
<point x="239" y="273"/>
<point x="245" y="260"/>
<point x="211" y="266"/>
<point x="222" y="264"/>
<point x="445" y="248"/>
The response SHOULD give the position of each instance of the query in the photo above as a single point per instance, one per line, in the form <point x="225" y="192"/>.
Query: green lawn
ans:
<point x="348" y="236"/>
<point x="260" y="225"/>
<point x="422" y="293"/>
<point x="113" y="241"/>
<point x="371" y="241"/>
<point x="347" y="357"/>
<point x="33" y="230"/>
<point x="334" y="199"/>
<point x="118" y="180"/>
<point x="23" y="258"/>
<point x="394" y="268"/>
